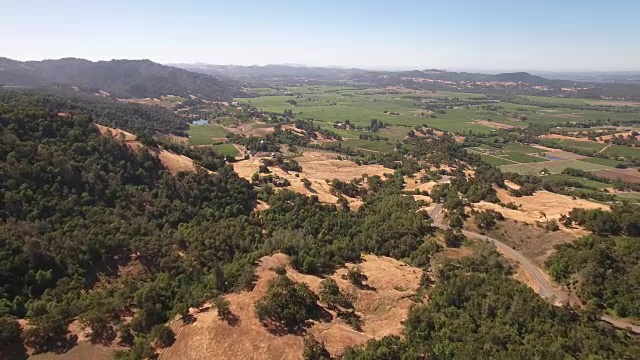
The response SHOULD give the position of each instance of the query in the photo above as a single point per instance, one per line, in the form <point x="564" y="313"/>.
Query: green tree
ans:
<point x="314" y="350"/>
<point x="287" y="303"/>
<point x="163" y="336"/>
<point x="10" y="331"/>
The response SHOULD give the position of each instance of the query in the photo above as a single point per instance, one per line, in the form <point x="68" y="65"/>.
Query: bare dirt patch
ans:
<point x="382" y="311"/>
<point x="492" y="124"/>
<point x="564" y="137"/>
<point x="458" y="138"/>
<point x="251" y="129"/>
<point x="607" y="138"/>
<point x="567" y="116"/>
<point x="628" y="175"/>
<point x="533" y="242"/>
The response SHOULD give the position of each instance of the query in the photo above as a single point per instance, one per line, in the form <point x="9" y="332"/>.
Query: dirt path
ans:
<point x="604" y="148"/>
<point x="546" y="290"/>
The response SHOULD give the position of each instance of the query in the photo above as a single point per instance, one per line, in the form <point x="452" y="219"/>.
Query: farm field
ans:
<point x="380" y="146"/>
<point x="226" y="149"/>
<point x="605" y="162"/>
<point x="554" y="167"/>
<point x="583" y="181"/>
<point x="510" y="154"/>
<point x="406" y="107"/>
<point x="204" y="134"/>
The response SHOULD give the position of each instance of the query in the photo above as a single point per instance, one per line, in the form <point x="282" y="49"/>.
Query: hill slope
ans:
<point x="121" y="78"/>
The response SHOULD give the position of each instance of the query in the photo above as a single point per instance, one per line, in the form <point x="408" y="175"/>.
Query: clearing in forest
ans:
<point x="382" y="306"/>
<point x="318" y="167"/>
<point x="541" y="206"/>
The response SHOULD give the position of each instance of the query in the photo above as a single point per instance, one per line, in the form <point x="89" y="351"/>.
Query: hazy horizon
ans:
<point x="459" y="35"/>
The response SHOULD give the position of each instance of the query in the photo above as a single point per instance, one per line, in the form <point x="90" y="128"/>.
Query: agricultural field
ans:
<point x="379" y="146"/>
<point x="605" y="162"/>
<point x="400" y="106"/>
<point x="585" y="182"/>
<point x="510" y="154"/>
<point x="226" y="149"/>
<point x="204" y="134"/>
<point x="554" y="167"/>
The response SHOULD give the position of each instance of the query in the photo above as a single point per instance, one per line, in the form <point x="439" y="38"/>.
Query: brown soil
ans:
<point x="411" y="184"/>
<point x="607" y="138"/>
<point x="294" y="129"/>
<point x="492" y="124"/>
<point x="531" y="241"/>
<point x="563" y="137"/>
<point x="251" y="130"/>
<point x="567" y="116"/>
<point x="382" y="310"/>
<point x="458" y="138"/>
<point x="628" y="175"/>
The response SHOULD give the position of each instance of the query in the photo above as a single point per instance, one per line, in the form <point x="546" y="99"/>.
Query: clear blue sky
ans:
<point x="451" y="34"/>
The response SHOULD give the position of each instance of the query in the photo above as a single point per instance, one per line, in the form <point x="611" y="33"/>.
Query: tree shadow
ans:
<point x="188" y="319"/>
<point x="366" y="287"/>
<point x="104" y="337"/>
<point x="231" y="319"/>
<point x="279" y="329"/>
<point x="16" y="351"/>
<point x="56" y="344"/>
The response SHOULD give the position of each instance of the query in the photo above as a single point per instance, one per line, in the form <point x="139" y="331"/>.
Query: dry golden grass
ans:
<point x="382" y="311"/>
<point x="317" y="167"/>
<point x="249" y="129"/>
<point x="172" y="161"/>
<point x="115" y="133"/>
<point x="541" y="206"/>
<point x="493" y="125"/>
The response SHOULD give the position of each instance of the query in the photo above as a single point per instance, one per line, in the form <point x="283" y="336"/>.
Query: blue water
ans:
<point x="551" y="157"/>
<point x="199" y="122"/>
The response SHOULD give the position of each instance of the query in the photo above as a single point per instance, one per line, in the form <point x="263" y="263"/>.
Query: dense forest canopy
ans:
<point x="137" y="118"/>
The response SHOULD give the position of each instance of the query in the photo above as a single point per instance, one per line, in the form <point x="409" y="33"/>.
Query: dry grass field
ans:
<point x="382" y="310"/>
<point x="317" y="167"/>
<point x="541" y="206"/>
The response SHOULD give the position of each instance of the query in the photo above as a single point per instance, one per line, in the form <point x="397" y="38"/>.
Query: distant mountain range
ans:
<point x="295" y="73"/>
<point x="120" y="78"/>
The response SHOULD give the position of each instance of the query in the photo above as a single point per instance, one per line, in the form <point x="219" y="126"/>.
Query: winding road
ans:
<point x="545" y="289"/>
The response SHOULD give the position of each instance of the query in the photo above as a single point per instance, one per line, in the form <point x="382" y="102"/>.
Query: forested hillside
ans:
<point x="91" y="231"/>
<point x="121" y="78"/>
<point x="137" y="118"/>
<point x="476" y="312"/>
<point x="78" y="208"/>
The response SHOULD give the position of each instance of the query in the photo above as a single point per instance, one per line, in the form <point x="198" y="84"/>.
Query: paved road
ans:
<point x="546" y="290"/>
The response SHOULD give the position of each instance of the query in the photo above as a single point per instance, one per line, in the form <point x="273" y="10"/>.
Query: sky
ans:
<point x="488" y="35"/>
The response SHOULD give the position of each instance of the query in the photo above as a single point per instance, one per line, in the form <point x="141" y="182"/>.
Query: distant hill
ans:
<point x="292" y="73"/>
<point x="120" y="78"/>
<point x="273" y="72"/>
